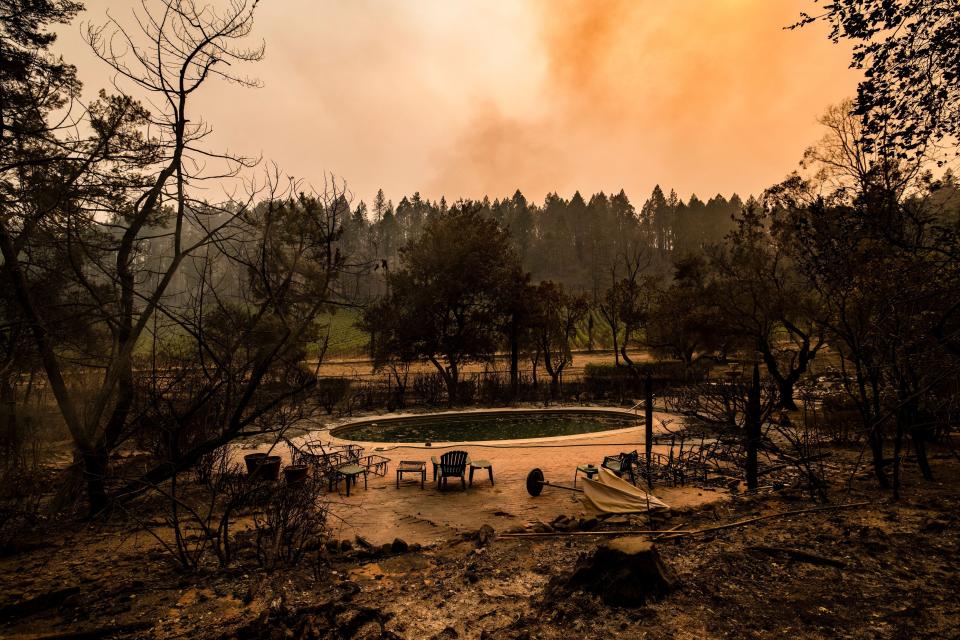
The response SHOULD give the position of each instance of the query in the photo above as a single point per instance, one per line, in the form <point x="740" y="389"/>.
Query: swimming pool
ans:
<point x="476" y="426"/>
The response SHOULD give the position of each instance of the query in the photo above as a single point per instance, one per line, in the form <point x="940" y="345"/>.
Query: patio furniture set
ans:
<point x="622" y="464"/>
<point x="675" y="468"/>
<point x="452" y="464"/>
<point x="336" y="462"/>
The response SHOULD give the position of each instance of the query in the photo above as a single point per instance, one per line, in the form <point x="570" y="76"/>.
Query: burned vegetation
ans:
<point x="184" y="332"/>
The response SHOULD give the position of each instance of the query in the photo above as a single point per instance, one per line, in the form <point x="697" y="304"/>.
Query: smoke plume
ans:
<point x="704" y="96"/>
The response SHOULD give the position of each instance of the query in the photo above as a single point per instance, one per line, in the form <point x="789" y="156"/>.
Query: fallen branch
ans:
<point x="98" y="633"/>
<point x="674" y="533"/>
<point x="784" y="514"/>
<point x="801" y="556"/>
<point x="673" y="530"/>
<point x="626" y="532"/>
<point x="778" y="467"/>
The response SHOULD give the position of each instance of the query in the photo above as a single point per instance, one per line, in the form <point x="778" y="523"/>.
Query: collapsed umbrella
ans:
<point x="607" y="494"/>
<point x="612" y="494"/>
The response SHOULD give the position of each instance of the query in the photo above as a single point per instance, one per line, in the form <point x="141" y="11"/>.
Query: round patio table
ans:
<point x="588" y="470"/>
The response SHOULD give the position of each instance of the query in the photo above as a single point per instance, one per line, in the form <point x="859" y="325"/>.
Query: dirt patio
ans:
<point x="382" y="512"/>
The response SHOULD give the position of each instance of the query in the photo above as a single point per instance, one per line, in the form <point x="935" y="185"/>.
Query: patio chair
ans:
<point x="349" y="452"/>
<point x="660" y="469"/>
<point x="324" y="464"/>
<point x="435" y="462"/>
<point x="375" y="464"/>
<point x="452" y="464"/>
<point x="623" y="465"/>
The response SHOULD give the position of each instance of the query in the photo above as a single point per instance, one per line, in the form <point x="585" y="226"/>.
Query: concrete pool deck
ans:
<point x="383" y="512"/>
<point x="342" y="433"/>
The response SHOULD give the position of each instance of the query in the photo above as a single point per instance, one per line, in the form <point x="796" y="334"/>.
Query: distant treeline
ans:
<point x="570" y="241"/>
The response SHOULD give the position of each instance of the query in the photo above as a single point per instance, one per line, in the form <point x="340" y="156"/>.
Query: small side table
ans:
<point x="481" y="464"/>
<point x="350" y="472"/>
<point x="412" y="466"/>
<point x="588" y="470"/>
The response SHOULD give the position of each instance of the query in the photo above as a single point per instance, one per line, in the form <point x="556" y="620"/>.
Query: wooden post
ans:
<point x="648" y="423"/>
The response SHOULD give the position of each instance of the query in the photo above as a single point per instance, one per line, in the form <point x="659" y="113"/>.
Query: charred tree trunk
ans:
<point x="785" y="388"/>
<point x="875" y="439"/>
<point x="10" y="440"/>
<point x="450" y="378"/>
<point x="609" y="313"/>
<point x="920" y="436"/>
<point x="453" y="382"/>
<point x="94" y="465"/>
<point x="616" y="351"/>
<point x="922" y="430"/>
<point x="753" y="429"/>
<point x="898" y="452"/>
<point x="867" y="396"/>
<point x="554" y="386"/>
<point x="554" y="376"/>
<point x="787" y="382"/>
<point x="514" y="358"/>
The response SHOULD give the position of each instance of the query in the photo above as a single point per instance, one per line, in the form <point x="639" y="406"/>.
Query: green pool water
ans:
<point x="480" y="426"/>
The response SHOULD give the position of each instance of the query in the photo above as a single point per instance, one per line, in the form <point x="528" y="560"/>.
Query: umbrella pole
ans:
<point x="536" y="483"/>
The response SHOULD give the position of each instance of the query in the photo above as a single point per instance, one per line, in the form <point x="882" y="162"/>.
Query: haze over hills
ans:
<point x="467" y="99"/>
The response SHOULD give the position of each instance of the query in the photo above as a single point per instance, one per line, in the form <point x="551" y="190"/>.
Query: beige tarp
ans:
<point x="610" y="494"/>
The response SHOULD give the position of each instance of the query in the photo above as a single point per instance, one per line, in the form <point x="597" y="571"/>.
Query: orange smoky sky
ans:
<point x="466" y="98"/>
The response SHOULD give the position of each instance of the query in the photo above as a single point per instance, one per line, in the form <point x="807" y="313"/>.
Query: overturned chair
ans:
<point x="624" y="465"/>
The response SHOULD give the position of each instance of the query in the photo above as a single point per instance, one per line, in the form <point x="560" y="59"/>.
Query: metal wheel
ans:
<point x="535" y="482"/>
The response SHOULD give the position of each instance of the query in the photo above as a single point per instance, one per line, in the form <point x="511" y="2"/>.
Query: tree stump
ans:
<point x="625" y="572"/>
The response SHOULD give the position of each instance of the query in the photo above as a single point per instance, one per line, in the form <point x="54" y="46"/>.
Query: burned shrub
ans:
<point x="290" y="523"/>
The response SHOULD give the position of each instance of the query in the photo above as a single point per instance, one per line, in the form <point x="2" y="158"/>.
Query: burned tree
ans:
<point x="881" y="257"/>
<point x="231" y="359"/>
<point x="130" y="186"/>
<point x="684" y="321"/>
<point x="445" y="304"/>
<point x="765" y="302"/>
<point x="554" y="326"/>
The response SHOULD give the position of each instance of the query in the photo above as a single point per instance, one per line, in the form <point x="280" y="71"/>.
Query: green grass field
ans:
<point x="346" y="339"/>
<point x="349" y="341"/>
<point x="602" y="338"/>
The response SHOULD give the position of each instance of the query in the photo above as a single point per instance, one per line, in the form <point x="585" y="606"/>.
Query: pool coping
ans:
<point x="444" y="444"/>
